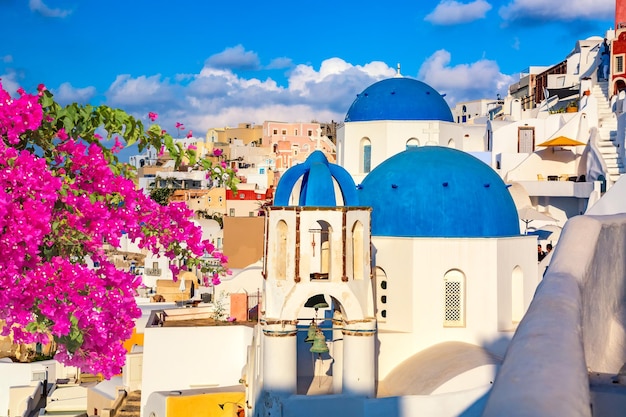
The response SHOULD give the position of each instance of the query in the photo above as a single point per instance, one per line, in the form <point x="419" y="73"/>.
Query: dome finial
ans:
<point x="398" y="75"/>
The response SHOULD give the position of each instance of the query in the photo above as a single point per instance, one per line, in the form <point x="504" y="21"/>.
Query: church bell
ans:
<point x="319" y="343"/>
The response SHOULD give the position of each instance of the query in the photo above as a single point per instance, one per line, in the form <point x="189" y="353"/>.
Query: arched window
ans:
<point x="365" y="157"/>
<point x="412" y="143"/>
<point x="281" y="250"/>
<point x="321" y="234"/>
<point x="454" y="299"/>
<point x="358" y="255"/>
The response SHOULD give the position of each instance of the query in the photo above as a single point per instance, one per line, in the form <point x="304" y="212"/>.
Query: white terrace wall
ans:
<point x="574" y="324"/>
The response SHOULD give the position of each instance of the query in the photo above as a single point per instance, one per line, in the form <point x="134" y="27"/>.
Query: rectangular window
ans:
<point x="276" y="131"/>
<point x="295" y="132"/>
<point x="453" y="304"/>
<point x="619" y="64"/>
<point x="309" y="132"/>
<point x="232" y="212"/>
<point x="261" y="171"/>
<point x="284" y="132"/>
<point x="367" y="158"/>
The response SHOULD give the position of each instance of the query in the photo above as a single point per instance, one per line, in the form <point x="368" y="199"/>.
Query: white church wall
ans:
<point x="517" y="280"/>
<point x="415" y="271"/>
<point x="389" y="138"/>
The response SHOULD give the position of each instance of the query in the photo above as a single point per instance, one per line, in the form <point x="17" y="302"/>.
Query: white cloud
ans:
<point x="6" y="59"/>
<point x="39" y="7"/>
<point x="279" y="63"/>
<point x="130" y="92"/>
<point x="219" y="97"/>
<point x="234" y="58"/>
<point x="451" y="12"/>
<point x="558" y="10"/>
<point x="463" y="82"/>
<point x="9" y="82"/>
<point x="67" y="94"/>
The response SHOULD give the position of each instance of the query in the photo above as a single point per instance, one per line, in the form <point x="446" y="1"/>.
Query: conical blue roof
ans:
<point x="321" y="181"/>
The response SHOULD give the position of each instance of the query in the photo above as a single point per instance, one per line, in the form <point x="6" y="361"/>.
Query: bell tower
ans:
<point x="318" y="245"/>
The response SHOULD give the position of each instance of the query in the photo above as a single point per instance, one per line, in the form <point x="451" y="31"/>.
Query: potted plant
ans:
<point x="572" y="106"/>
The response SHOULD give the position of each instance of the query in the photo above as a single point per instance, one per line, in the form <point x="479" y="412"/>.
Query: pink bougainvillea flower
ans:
<point x="57" y="209"/>
<point x="180" y="126"/>
<point x="217" y="152"/>
<point x="192" y="147"/>
<point x="97" y="136"/>
<point x="153" y="116"/>
<point x="61" y="134"/>
<point x="190" y="134"/>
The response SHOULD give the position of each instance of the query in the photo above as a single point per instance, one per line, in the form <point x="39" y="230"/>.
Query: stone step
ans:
<point x="131" y="406"/>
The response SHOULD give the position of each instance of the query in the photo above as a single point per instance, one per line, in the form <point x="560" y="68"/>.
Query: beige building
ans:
<point x="246" y="132"/>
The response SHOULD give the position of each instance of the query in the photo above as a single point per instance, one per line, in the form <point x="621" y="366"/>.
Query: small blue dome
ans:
<point x="399" y="99"/>
<point x="317" y="188"/>
<point x="434" y="191"/>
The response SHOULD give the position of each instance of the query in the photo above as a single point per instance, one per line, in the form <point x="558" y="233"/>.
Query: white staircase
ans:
<point x="607" y="130"/>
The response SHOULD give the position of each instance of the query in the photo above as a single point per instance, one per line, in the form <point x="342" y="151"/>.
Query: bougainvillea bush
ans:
<point x="63" y="195"/>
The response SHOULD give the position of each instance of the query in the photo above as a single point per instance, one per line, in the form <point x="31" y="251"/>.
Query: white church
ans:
<point x="415" y="248"/>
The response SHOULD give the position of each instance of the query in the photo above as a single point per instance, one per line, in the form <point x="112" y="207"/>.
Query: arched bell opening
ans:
<point x="316" y="346"/>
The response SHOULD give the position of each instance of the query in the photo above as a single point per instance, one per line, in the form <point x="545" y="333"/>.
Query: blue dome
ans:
<point x="399" y="99"/>
<point x="434" y="191"/>
<point x="318" y="184"/>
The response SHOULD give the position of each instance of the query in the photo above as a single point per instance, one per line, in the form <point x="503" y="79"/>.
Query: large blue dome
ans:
<point x="433" y="191"/>
<point x="316" y="183"/>
<point x="399" y="99"/>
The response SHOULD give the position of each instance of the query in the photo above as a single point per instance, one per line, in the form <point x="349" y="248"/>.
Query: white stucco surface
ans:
<point x="210" y="356"/>
<point x="574" y="325"/>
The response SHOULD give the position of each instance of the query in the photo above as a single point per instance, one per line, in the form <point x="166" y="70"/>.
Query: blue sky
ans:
<point x="214" y="64"/>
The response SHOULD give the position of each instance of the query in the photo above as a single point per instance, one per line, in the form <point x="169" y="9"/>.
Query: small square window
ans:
<point x="276" y="131"/>
<point x="284" y="132"/>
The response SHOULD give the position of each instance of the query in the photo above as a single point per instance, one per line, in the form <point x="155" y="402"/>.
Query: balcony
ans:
<point x="560" y="188"/>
